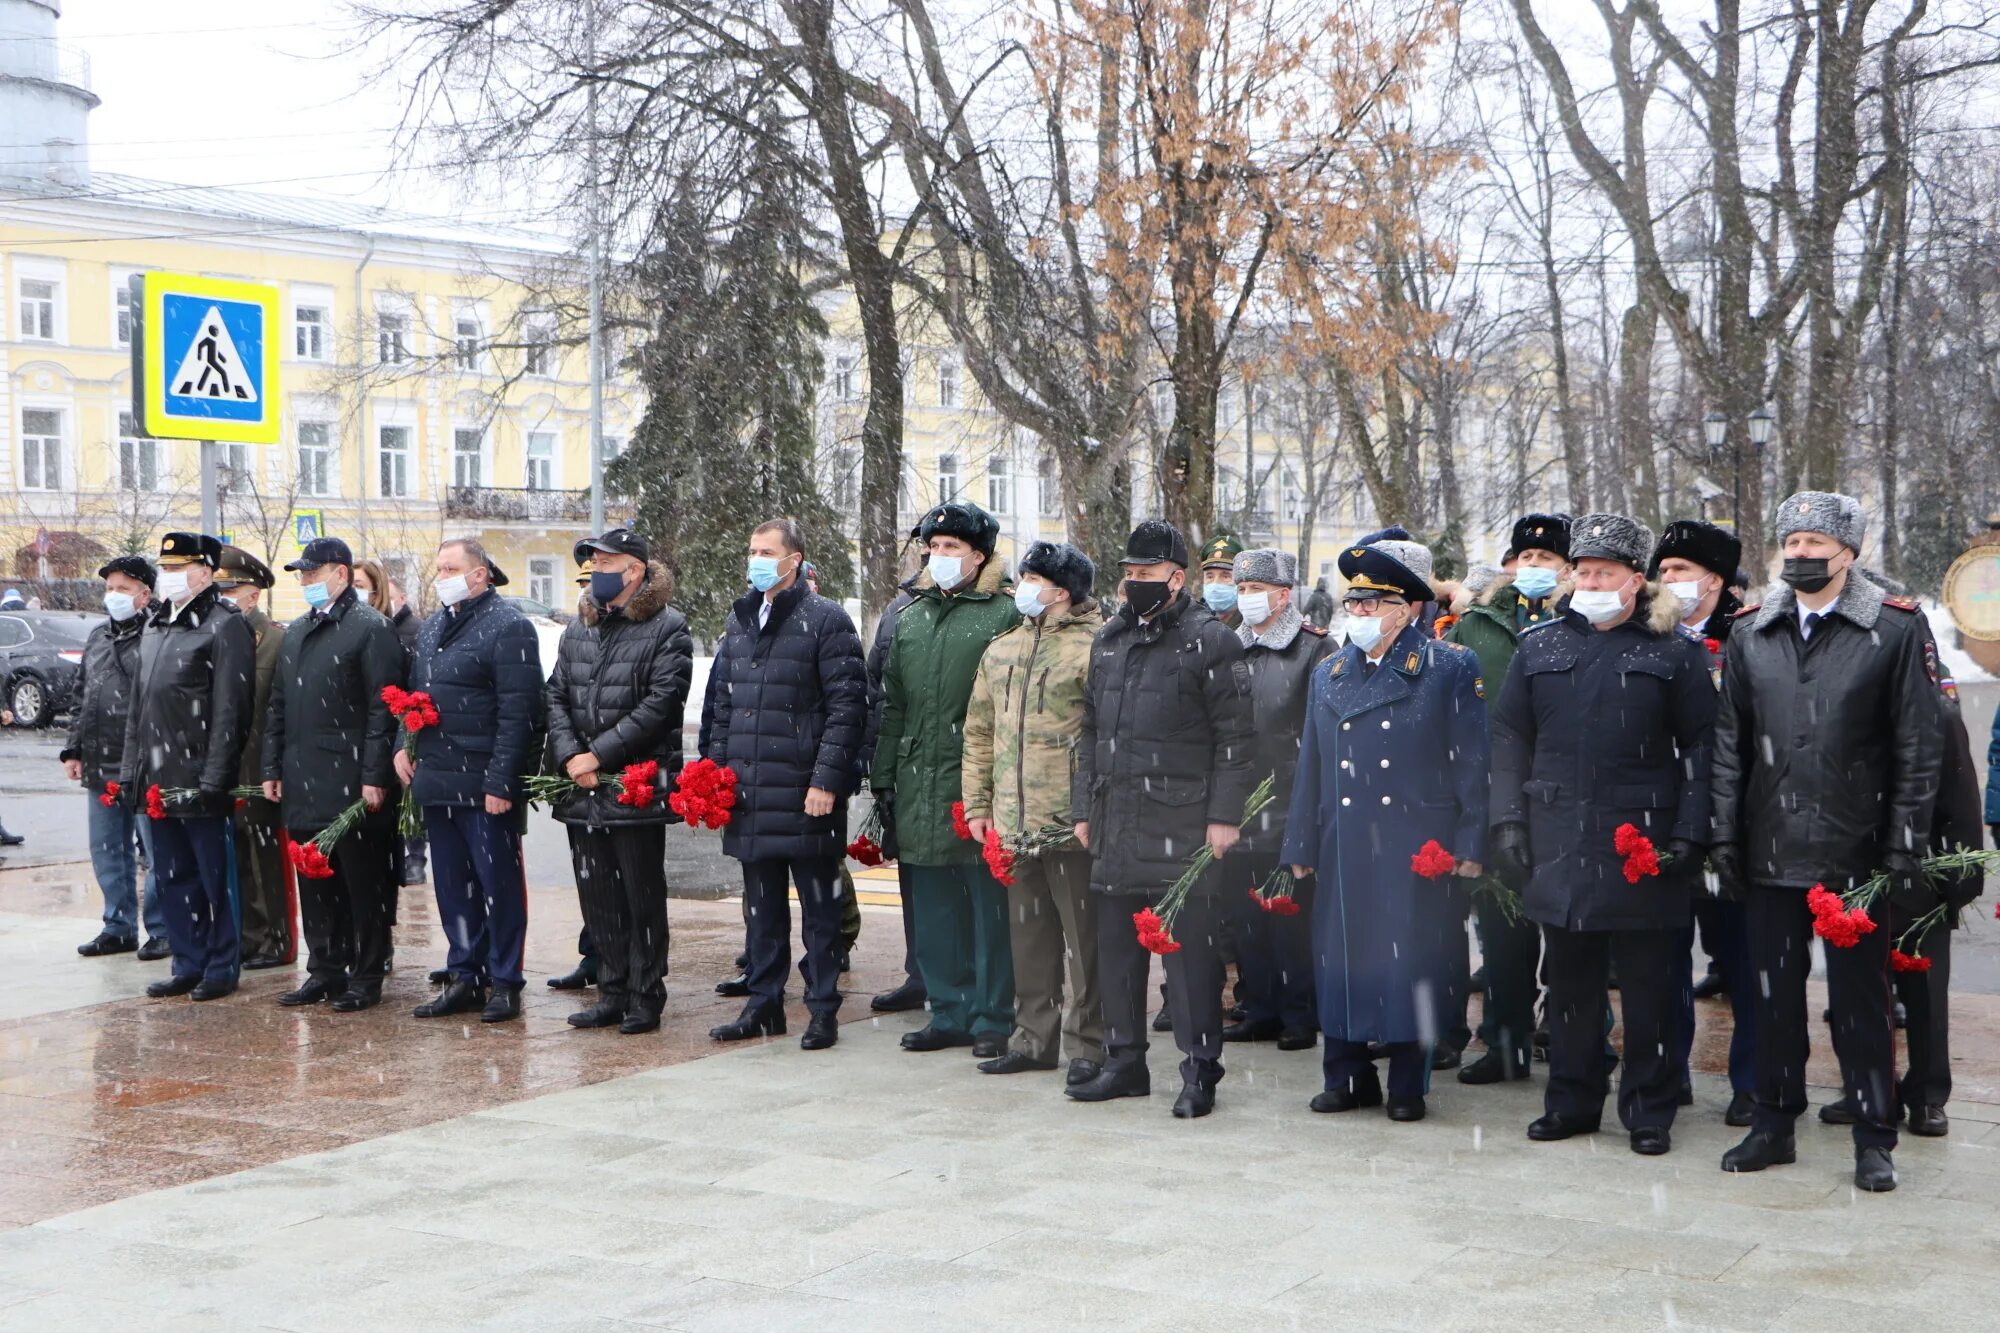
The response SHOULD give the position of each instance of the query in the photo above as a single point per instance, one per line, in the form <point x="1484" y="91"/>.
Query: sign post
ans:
<point x="205" y="357"/>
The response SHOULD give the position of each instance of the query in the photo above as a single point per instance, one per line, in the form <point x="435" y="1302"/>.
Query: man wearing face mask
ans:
<point x="329" y="742"/>
<point x="263" y="879"/>
<point x="479" y="661"/>
<point x="1218" y="579"/>
<point x="1828" y="749"/>
<point x="184" y="732"/>
<point x="962" y="604"/>
<point x="1538" y="556"/>
<point x="1606" y="720"/>
<point x="1164" y="761"/>
<point x="95" y="754"/>
<point x="1273" y="952"/>
<point x="1020" y="741"/>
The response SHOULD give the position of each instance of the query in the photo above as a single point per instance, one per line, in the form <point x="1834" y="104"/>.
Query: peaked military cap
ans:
<point x="190" y="548"/>
<point x="1388" y="561"/>
<point x="238" y="568"/>
<point x="1220" y="551"/>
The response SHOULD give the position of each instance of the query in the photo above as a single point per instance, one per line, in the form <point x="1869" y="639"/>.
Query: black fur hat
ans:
<point x="964" y="520"/>
<point x="1715" y="549"/>
<point x="1063" y="565"/>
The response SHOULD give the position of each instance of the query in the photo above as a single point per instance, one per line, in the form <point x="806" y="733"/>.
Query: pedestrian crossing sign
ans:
<point x="205" y="358"/>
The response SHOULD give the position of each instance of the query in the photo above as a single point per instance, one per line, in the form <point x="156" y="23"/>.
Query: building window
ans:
<point x="1048" y="485"/>
<point x="541" y="475"/>
<point x="947" y="466"/>
<point x="138" y="458"/>
<point x="999" y="483"/>
<point x="542" y="580"/>
<point x="611" y="448"/>
<point x="843" y="466"/>
<point x="468" y="449"/>
<point x="1294" y="497"/>
<point x="309" y="331"/>
<point x="232" y="464"/>
<point x="392" y="339"/>
<point x="395" y="462"/>
<point x="38" y="309"/>
<point x="539" y="335"/>
<point x="947" y="372"/>
<point x="121" y="311"/>
<point x="315" y="458"/>
<point x="843" y="379"/>
<point x="41" y="448"/>
<point x="468" y="337"/>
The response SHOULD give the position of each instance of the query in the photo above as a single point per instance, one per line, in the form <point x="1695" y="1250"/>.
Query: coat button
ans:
<point x="1347" y="726"/>
<point x="1385" y="800"/>
<point x="1385" y="724"/>
<point x="1347" y="800"/>
<point x="1385" y="763"/>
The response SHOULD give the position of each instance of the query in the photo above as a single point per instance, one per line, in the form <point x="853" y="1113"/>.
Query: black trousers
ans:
<point x="1779" y="927"/>
<point x="621" y="882"/>
<point x="1509" y="950"/>
<point x="1349" y="1066"/>
<point x="349" y="919"/>
<point x="1927" y="1025"/>
<point x="1274" y="970"/>
<point x="911" y="974"/>
<point x="767" y="912"/>
<point x="1194" y="995"/>
<point x="1579" y="970"/>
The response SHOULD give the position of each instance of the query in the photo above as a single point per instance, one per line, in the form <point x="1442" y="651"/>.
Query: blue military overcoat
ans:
<point x="1392" y="757"/>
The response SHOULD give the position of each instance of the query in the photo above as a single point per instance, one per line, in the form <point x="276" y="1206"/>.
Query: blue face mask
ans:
<point x="1534" y="582"/>
<point x="764" y="574"/>
<point x="1220" y="597"/>
<point x="318" y="595"/>
<point x="120" y="605"/>
<point x="606" y="585"/>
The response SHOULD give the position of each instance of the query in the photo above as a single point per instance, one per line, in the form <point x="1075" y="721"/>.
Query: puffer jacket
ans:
<point x="97" y="729"/>
<point x="939" y="641"/>
<point x="1279" y="663"/>
<point x="786" y="707"/>
<point x="328" y="731"/>
<point x="1167" y="746"/>
<point x="619" y="691"/>
<point x="269" y="637"/>
<point x="190" y="715"/>
<point x="1023" y="719"/>
<point x="482" y="668"/>
<point x="1827" y="750"/>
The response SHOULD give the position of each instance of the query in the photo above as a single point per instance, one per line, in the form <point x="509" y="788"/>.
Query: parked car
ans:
<point x="41" y="662"/>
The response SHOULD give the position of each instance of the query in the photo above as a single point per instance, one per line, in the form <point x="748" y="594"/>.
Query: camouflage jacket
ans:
<point x="1022" y="723"/>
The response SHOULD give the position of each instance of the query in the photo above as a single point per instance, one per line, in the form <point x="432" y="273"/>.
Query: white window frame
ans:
<point x="327" y="480"/>
<point x="383" y="453"/>
<point x="1048" y="487"/>
<point x="542" y="580"/>
<point x="553" y="479"/>
<point x="999" y="483"/>
<point x="55" y="329"/>
<point x="539" y="354"/>
<point x="316" y="334"/>
<point x="392" y="333"/>
<point x="950" y="384"/>
<point x="478" y="456"/>
<point x="945" y="493"/>
<point x="471" y="360"/>
<point x="64" y="412"/>
<point x="121" y="306"/>
<point x="134" y="450"/>
<point x="845" y="376"/>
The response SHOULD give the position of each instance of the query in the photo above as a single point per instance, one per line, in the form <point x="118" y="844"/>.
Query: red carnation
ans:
<point x="1903" y="962"/>
<point x="310" y="861"/>
<point x="998" y="859"/>
<point x="1153" y="932"/>
<point x="1834" y="921"/>
<point x="865" y="850"/>
<point x="396" y="697"/>
<point x="156" y="806"/>
<point x="1641" y="859"/>
<point x="1432" y="861"/>
<point x="1714" y="646"/>
<point x="110" y="796"/>
<point x="958" y="824"/>
<point x="646" y="772"/>
<point x="1628" y="839"/>
<point x="1283" y="904"/>
<point x="636" y="794"/>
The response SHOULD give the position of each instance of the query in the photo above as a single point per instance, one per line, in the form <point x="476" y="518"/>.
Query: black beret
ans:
<point x="1539" y="532"/>
<point x="1716" y="550"/>
<point x="1153" y="541"/>
<point x="131" y="566"/>
<point x="964" y="520"/>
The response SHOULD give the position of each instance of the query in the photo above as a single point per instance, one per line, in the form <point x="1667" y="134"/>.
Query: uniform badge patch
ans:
<point x="1479" y="686"/>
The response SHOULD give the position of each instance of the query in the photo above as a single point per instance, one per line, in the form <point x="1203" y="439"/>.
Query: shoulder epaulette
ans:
<point x="1526" y="630"/>
<point x="1308" y="627"/>
<point x="1692" y="636"/>
<point x="1746" y="610"/>
<point x="1903" y="603"/>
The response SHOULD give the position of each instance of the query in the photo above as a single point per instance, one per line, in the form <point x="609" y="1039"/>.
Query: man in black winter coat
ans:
<point x="184" y="735"/>
<point x="329" y="741"/>
<point x="616" y="699"/>
<point x="1827" y="748"/>
<point x="786" y="708"/>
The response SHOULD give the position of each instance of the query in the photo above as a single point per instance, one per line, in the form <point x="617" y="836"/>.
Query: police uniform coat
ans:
<point x="1391" y="759"/>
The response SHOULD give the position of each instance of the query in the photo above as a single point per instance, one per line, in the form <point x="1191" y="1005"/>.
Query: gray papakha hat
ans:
<point x="1266" y="564"/>
<point x="1838" y="516"/>
<point x="1610" y="537"/>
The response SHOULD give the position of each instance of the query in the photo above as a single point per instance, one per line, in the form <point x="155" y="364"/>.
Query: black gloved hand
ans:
<point x="1910" y="893"/>
<point x="1727" y="862"/>
<point x="1684" y="861"/>
<point x="1507" y="849"/>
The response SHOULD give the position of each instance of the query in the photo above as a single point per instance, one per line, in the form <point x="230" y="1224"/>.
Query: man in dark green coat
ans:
<point x="1492" y="629"/>
<point x="962" y="603"/>
<point x="264" y="880"/>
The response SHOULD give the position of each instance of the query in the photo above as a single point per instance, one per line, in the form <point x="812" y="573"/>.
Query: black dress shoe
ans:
<point x="172" y="986"/>
<point x="1759" y="1150"/>
<point x="1334" y="1100"/>
<point x="1015" y="1062"/>
<point x="1710" y="986"/>
<point x="440" y="976"/>
<point x="504" y="1006"/>
<point x="154" y="949"/>
<point x="603" y="1014"/>
<point x="1131" y="1081"/>
<point x="263" y="962"/>
<point x="1651" y="1142"/>
<point x="1839" y="1112"/>
<point x="576" y="978"/>
<point x="312" y="991"/>
<point x="1929" y="1122"/>
<point x="1082" y="1071"/>
<point x="1235" y="1013"/>
<point x="1873" y="1170"/>
<point x="752" y="1023"/>
<point x="1554" y="1126"/>
<point x="1406" y="1109"/>
<point x="1297" y="1039"/>
<point x="822" y="1031"/>
<point x="934" y="1039"/>
<point x="1685" y="1096"/>
<point x="107" y="943"/>
<point x="1163" y="1021"/>
<point x="1194" y="1102"/>
<point x="846" y="964"/>
<point x="462" y="996"/>
<point x="1741" y="1107"/>
<point x="9" y="839"/>
<point x="639" y="1021"/>
<point x="1247" y="1031"/>
<point x="356" y="998"/>
<point x="989" y="1046"/>
<point x="909" y="995"/>
<point x="1445" y="1057"/>
<point x="735" y="988"/>
<point x="212" y="990"/>
<point x="1494" y="1067"/>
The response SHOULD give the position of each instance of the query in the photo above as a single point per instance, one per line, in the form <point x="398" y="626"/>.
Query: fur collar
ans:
<point x="1279" y="635"/>
<point x="1663" y="609"/>
<point x="992" y="578"/>
<point x="1860" y="602"/>
<point x="648" y="601"/>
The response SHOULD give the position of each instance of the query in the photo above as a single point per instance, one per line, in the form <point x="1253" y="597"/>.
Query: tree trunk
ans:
<point x="1634" y="410"/>
<point x="1187" y="473"/>
<point x="1097" y="493"/>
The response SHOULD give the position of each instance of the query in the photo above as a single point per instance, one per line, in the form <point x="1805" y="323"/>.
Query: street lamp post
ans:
<point x="1715" y="430"/>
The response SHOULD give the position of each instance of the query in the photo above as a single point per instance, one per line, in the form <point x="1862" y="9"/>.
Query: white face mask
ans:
<point x="1596" y="607"/>
<point x="1028" y="599"/>
<point x="1365" y="632"/>
<point x="1689" y="594"/>
<point x="172" y="584"/>
<point x="1254" y="607"/>
<point x="451" y="591"/>
<point x="946" y="571"/>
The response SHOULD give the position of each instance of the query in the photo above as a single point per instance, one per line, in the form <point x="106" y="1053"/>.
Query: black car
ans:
<point x="41" y="662"/>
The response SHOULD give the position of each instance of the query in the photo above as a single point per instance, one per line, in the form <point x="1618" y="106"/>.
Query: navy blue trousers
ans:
<point x="1729" y="946"/>
<point x="482" y="891"/>
<point x="1347" y="1065"/>
<point x="195" y="861"/>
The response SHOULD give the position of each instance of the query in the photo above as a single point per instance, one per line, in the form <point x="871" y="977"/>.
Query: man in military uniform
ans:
<point x="263" y="879"/>
<point x="1273" y="952"/>
<point x="1218" y="578"/>
<point x="1827" y="752"/>
<point x="1538" y="558"/>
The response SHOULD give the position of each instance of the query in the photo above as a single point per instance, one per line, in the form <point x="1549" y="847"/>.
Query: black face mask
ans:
<point x="1806" y="574"/>
<point x="1146" y="596"/>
